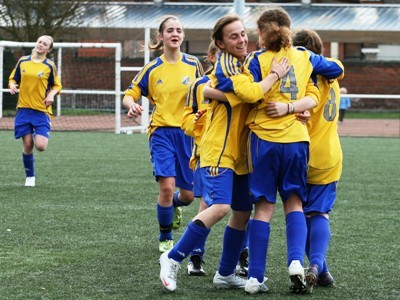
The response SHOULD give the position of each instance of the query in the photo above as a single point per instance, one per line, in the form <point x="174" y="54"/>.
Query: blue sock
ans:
<point x="165" y="216"/>
<point x="178" y="202"/>
<point x="296" y="236"/>
<point x="308" y="238"/>
<point x="200" y="248"/>
<point x="258" y="248"/>
<point x="29" y="162"/>
<point x="320" y="235"/>
<point x="324" y="268"/>
<point x="246" y="237"/>
<point x="191" y="238"/>
<point x="232" y="246"/>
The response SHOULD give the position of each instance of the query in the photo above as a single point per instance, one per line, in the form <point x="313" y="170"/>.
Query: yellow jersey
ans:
<point x="35" y="80"/>
<point x="325" y="165"/>
<point x="296" y="84"/>
<point x="224" y="143"/>
<point x="166" y="85"/>
<point x="195" y="102"/>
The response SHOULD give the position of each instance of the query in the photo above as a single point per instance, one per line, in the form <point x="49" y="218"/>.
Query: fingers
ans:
<point x="48" y="102"/>
<point x="135" y="111"/>
<point x="199" y="114"/>
<point x="14" y="89"/>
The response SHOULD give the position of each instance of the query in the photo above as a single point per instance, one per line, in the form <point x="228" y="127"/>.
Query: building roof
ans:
<point x="320" y="17"/>
<point x="347" y="23"/>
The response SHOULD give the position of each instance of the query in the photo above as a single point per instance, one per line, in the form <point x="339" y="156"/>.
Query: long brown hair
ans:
<point x="274" y="26"/>
<point x="308" y="39"/>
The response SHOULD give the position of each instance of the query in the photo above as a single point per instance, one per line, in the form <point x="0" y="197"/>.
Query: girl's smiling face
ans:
<point x="234" y="40"/>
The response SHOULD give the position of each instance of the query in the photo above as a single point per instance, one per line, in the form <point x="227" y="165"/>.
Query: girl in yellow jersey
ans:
<point x="165" y="81"/>
<point x="223" y="162"/>
<point x="324" y="167"/>
<point x="36" y="81"/>
<point x="279" y="145"/>
<point x="195" y="102"/>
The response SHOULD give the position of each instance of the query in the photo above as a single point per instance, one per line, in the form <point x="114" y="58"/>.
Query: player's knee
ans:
<point x="166" y="191"/>
<point x="186" y="196"/>
<point x="41" y="143"/>
<point x="41" y="147"/>
<point x="223" y="211"/>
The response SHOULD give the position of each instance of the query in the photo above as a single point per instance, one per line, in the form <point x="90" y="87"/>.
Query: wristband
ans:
<point x="292" y="107"/>
<point x="275" y="72"/>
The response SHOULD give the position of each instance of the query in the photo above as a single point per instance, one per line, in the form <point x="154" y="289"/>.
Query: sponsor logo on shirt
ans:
<point x="185" y="80"/>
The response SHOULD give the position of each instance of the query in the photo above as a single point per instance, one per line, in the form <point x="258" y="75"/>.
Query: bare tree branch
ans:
<point x="26" y="20"/>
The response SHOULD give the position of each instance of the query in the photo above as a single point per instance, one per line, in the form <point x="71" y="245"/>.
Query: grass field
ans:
<point x="88" y="229"/>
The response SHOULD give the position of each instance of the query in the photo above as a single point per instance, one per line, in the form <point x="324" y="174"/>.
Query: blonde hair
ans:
<point x="159" y="44"/>
<point x="50" y="38"/>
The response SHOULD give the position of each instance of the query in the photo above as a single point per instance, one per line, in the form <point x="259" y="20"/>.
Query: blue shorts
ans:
<point x="278" y="167"/>
<point x="226" y="188"/>
<point x="320" y="198"/>
<point x="198" y="182"/>
<point x="170" y="151"/>
<point x="31" y="121"/>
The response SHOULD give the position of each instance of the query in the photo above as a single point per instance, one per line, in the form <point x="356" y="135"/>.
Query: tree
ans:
<point x="26" y="20"/>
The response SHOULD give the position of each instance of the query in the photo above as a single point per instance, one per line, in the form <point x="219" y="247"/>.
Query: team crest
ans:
<point x="186" y="80"/>
<point x="159" y="81"/>
<point x="40" y="74"/>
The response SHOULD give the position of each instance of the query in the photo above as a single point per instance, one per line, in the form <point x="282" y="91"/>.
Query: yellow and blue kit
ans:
<point x="166" y="85"/>
<point x="224" y="143"/>
<point x="35" y="80"/>
<point x="195" y="102"/>
<point x="325" y="165"/>
<point x="296" y="84"/>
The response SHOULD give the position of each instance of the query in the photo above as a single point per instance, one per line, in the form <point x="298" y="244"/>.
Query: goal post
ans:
<point x="91" y="78"/>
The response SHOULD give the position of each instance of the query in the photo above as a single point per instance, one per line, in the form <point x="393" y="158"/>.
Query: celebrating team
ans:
<point x="254" y="137"/>
<point x="264" y="97"/>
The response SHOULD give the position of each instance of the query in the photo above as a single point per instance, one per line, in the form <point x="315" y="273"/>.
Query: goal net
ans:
<point x="93" y="83"/>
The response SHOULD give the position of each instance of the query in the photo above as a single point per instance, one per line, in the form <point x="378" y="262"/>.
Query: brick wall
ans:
<point x="373" y="78"/>
<point x="360" y="78"/>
